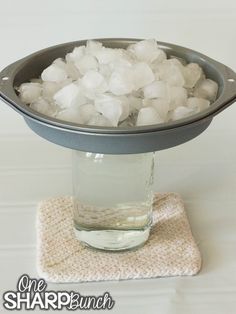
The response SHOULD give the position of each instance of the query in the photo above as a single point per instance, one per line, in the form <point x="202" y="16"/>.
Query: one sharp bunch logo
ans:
<point x="32" y="293"/>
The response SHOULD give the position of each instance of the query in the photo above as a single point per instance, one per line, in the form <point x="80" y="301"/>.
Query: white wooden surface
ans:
<point x="203" y="170"/>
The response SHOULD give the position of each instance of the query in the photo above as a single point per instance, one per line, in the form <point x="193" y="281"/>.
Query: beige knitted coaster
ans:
<point x="170" y="250"/>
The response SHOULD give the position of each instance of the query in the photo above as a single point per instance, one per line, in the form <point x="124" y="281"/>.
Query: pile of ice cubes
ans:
<point x="100" y="86"/>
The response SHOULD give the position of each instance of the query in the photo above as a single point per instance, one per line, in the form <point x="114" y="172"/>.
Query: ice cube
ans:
<point x="29" y="92"/>
<point x="93" y="83"/>
<point x="99" y="120"/>
<point x="44" y="107"/>
<point x="72" y="71"/>
<point x="60" y="63"/>
<point x="125" y="107"/>
<point x="192" y="73"/>
<point x="110" y="107"/>
<point x="76" y="54"/>
<point x="105" y="71"/>
<point x="65" y="82"/>
<point x="178" y="96"/>
<point x="175" y="61"/>
<point x="161" y="57"/>
<point x="129" y="122"/>
<point x="121" y="81"/>
<point x="93" y="46"/>
<point x="87" y="111"/>
<point x="171" y="72"/>
<point x="129" y="57"/>
<point x="123" y="60"/>
<point x="197" y="104"/>
<point x="180" y="113"/>
<point x="54" y="73"/>
<point x="157" y="89"/>
<point x="160" y="104"/>
<point x="49" y="89"/>
<point x="107" y="55"/>
<point x="157" y="76"/>
<point x="145" y="50"/>
<point x="70" y="95"/>
<point x="86" y="63"/>
<point x="135" y="103"/>
<point x="179" y="60"/>
<point x="71" y="115"/>
<point x="206" y="89"/>
<point x="148" y="116"/>
<point x="142" y="75"/>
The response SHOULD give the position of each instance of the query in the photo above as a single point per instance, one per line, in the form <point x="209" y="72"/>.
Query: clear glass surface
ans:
<point x="112" y="199"/>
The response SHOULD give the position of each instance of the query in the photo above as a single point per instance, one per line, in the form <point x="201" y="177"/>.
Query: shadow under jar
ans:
<point x="113" y="196"/>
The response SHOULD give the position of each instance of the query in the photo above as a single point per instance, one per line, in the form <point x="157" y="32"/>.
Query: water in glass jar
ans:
<point x="112" y="199"/>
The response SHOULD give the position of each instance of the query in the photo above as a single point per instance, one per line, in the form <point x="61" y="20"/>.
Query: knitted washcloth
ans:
<point x="170" y="250"/>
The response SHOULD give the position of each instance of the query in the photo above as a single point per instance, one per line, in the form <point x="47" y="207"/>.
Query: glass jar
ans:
<point x="113" y="197"/>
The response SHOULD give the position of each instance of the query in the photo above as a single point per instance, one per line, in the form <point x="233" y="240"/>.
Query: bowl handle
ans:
<point x="229" y="92"/>
<point x="7" y="92"/>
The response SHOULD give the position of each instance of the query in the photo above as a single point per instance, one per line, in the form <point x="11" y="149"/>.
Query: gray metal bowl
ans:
<point x="112" y="140"/>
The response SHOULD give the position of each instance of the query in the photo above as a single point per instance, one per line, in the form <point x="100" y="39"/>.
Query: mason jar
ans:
<point x="113" y="196"/>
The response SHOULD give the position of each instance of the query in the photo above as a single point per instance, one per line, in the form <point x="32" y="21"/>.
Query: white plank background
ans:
<point x="203" y="170"/>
